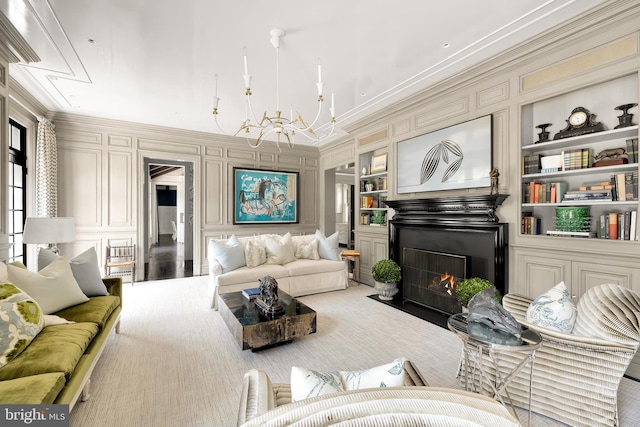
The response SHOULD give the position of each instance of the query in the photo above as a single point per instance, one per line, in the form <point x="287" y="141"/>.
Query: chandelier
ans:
<point x="283" y="128"/>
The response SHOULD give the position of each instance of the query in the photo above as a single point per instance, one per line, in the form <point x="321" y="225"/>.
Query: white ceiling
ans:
<point x="154" y="61"/>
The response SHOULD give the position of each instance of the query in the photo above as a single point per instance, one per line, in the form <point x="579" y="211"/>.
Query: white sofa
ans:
<point x="297" y="275"/>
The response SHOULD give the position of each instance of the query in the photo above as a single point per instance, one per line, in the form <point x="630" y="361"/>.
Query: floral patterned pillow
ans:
<point x="554" y="309"/>
<point x="21" y="319"/>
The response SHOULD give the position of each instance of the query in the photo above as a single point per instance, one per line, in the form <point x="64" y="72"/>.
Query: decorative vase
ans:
<point x="368" y="187"/>
<point x="386" y="291"/>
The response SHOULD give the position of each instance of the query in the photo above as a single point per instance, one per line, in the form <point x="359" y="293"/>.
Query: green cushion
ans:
<point x="57" y="348"/>
<point x="36" y="389"/>
<point x="96" y="310"/>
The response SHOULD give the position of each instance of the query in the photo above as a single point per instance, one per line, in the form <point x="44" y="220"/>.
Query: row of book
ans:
<point x="579" y="158"/>
<point x="618" y="225"/>
<point x="621" y="187"/>
<point x="530" y="224"/>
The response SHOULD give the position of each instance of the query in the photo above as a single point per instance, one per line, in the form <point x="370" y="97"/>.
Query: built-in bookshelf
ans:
<point x="373" y="190"/>
<point x="597" y="171"/>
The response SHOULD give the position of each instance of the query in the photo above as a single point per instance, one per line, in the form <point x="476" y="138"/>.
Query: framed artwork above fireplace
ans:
<point x="455" y="157"/>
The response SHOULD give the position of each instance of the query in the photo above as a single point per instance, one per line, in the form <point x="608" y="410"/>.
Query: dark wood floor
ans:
<point x="166" y="260"/>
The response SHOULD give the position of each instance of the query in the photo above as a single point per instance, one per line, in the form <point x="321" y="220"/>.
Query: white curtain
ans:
<point x="46" y="170"/>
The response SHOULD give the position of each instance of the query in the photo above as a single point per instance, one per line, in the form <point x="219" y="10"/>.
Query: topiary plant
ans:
<point x="469" y="287"/>
<point x="386" y="271"/>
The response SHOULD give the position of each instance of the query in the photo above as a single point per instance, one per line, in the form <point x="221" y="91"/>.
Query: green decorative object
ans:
<point x="386" y="271"/>
<point x="573" y="218"/>
<point x="469" y="287"/>
<point x="379" y="217"/>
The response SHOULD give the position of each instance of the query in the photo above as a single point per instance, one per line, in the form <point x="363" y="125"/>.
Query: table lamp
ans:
<point x="50" y="231"/>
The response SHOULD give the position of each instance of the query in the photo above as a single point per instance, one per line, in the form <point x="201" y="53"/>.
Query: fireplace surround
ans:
<point x="464" y="227"/>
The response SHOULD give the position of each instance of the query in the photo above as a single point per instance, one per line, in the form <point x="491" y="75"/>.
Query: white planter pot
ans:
<point x="386" y="291"/>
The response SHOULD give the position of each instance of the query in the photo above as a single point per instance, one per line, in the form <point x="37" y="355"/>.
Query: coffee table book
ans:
<point x="250" y="293"/>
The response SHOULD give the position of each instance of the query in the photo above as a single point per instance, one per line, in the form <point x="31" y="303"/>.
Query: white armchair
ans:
<point x="576" y="376"/>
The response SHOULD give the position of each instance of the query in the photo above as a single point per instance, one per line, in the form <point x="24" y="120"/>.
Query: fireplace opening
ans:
<point x="430" y="278"/>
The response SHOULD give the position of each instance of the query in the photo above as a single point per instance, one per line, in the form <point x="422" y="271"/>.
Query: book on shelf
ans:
<point x="602" y="185"/>
<point x="625" y="186"/>
<point x="570" y="233"/>
<point x="587" y="195"/>
<point x="611" y="162"/>
<point x="531" y="164"/>
<point x="632" y="150"/>
<point x="633" y="226"/>
<point x="613" y="226"/>
<point x="250" y="293"/>
<point x="579" y="158"/>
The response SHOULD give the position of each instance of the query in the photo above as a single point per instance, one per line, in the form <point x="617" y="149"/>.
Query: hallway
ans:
<point x="166" y="260"/>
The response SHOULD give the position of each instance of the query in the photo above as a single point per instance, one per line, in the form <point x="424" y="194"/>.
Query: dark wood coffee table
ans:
<point x="254" y="331"/>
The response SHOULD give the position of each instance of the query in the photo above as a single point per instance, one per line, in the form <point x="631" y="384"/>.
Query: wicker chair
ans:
<point x="576" y="376"/>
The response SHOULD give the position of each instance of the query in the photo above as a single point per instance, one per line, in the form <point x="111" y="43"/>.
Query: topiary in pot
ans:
<point x="386" y="273"/>
<point x="469" y="287"/>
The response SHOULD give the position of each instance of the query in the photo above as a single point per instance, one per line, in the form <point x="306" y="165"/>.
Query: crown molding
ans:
<point x="18" y="48"/>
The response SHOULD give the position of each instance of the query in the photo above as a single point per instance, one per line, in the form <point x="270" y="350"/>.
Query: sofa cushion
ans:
<point x="3" y="272"/>
<point x="32" y="390"/>
<point x="279" y="250"/>
<point x="229" y="253"/>
<point x="308" y="250"/>
<point x="304" y="267"/>
<point x="21" y="320"/>
<point x="84" y="267"/>
<point x="248" y="275"/>
<point x="255" y="254"/>
<point x="97" y="310"/>
<point x="55" y="349"/>
<point x="328" y="246"/>
<point x="388" y="375"/>
<point x="306" y="383"/>
<point x="54" y="288"/>
<point x="554" y="309"/>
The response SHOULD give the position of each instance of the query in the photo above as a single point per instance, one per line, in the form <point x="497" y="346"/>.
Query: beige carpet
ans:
<point x="175" y="363"/>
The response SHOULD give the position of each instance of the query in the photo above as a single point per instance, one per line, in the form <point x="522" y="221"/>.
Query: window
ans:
<point x="17" y="189"/>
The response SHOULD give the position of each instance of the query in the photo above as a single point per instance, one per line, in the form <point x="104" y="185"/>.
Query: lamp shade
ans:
<point x="49" y="230"/>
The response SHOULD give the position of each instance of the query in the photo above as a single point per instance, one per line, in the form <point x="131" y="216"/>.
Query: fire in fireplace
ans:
<point x="430" y="278"/>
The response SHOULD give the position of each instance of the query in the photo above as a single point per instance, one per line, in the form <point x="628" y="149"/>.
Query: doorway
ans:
<point x="168" y="228"/>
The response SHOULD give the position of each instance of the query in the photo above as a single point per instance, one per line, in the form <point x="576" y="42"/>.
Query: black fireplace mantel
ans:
<point x="458" y="209"/>
<point x="461" y="225"/>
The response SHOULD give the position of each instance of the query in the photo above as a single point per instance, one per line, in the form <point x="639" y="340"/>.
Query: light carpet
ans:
<point x="175" y="363"/>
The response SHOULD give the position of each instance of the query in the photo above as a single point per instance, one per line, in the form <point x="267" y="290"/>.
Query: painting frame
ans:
<point x="263" y="196"/>
<point x="452" y="158"/>
<point x="378" y="163"/>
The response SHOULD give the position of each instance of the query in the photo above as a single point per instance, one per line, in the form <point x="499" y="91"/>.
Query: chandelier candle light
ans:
<point x="282" y="127"/>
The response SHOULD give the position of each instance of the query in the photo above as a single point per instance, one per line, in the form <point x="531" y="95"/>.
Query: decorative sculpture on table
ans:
<point x="488" y="320"/>
<point x="267" y="301"/>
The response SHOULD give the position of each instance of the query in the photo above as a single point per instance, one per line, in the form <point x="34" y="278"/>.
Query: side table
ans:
<point x="474" y="348"/>
<point x="352" y="256"/>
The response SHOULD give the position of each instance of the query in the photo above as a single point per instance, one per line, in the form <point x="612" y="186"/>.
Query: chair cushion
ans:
<point x="21" y="319"/>
<point x="55" y="349"/>
<point x="554" y="309"/>
<point x="97" y="310"/>
<point x="54" y="288"/>
<point x="32" y="390"/>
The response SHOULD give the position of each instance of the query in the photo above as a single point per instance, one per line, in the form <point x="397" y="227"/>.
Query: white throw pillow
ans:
<point x="20" y="321"/>
<point x="279" y="251"/>
<point x="306" y="383"/>
<point x="85" y="270"/>
<point x="308" y="251"/>
<point x="54" y="288"/>
<point x="255" y="254"/>
<point x="328" y="246"/>
<point x="389" y="375"/>
<point x="554" y="309"/>
<point x="229" y="254"/>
